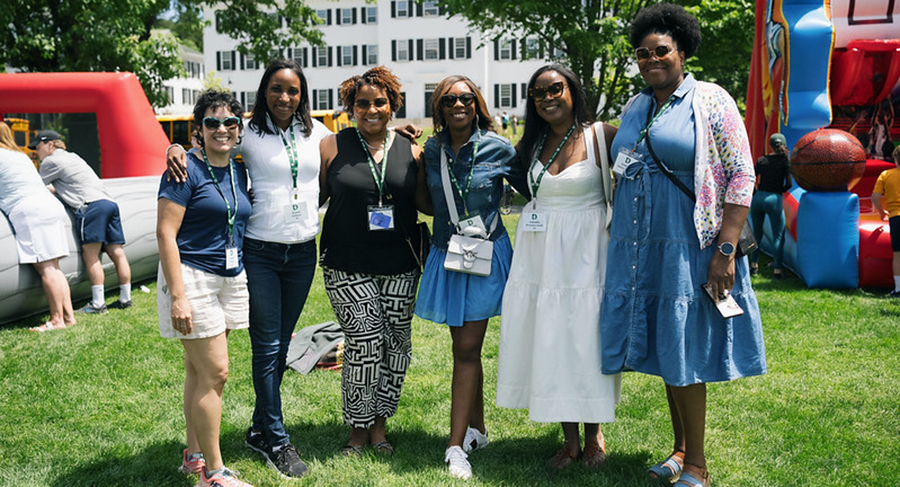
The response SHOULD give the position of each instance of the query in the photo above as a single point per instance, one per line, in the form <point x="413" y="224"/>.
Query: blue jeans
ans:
<point x="768" y="204"/>
<point x="278" y="277"/>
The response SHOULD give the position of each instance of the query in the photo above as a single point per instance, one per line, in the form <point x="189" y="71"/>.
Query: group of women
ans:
<point x="570" y="323"/>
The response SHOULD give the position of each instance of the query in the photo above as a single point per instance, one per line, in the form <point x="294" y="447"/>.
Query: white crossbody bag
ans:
<point x="465" y="253"/>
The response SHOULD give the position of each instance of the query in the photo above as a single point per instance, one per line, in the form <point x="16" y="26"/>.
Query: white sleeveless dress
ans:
<point x="549" y="359"/>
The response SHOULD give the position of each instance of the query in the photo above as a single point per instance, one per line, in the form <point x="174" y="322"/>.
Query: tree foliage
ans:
<point x="592" y="37"/>
<point x="115" y="35"/>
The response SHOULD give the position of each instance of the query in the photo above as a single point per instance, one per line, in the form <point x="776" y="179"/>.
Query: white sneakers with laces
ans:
<point x="457" y="462"/>
<point x="475" y="440"/>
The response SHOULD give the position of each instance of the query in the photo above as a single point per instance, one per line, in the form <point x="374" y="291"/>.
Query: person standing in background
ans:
<point x="886" y="200"/>
<point x="97" y="218"/>
<point x="773" y="178"/>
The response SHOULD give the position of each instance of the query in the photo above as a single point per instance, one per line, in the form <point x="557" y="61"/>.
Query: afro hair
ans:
<point x="667" y="18"/>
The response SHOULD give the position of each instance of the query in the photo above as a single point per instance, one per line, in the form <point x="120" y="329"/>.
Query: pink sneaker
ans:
<point x="191" y="464"/>
<point x="225" y="478"/>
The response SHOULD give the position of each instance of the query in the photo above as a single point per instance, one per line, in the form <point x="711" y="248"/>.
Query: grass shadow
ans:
<point x="122" y="467"/>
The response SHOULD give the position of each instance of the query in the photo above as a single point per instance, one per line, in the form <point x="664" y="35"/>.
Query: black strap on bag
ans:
<point x="419" y="241"/>
<point x="665" y="170"/>
<point x="746" y="242"/>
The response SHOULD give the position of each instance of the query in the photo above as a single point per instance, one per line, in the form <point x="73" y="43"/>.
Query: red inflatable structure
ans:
<point x="121" y="107"/>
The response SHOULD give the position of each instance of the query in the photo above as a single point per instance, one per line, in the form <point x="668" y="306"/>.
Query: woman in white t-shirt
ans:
<point x="38" y="220"/>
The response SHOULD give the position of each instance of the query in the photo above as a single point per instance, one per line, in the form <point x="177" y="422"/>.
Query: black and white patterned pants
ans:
<point x="375" y="313"/>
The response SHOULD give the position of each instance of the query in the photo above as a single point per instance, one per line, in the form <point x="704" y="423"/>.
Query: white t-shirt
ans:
<point x="267" y="161"/>
<point x="18" y="179"/>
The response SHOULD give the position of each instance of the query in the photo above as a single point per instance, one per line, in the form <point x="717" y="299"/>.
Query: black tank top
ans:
<point x="347" y="244"/>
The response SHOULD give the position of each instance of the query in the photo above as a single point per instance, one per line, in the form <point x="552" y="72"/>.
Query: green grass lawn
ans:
<point x="100" y="405"/>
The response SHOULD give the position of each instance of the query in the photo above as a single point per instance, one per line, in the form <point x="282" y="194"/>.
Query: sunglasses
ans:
<point x="365" y="104"/>
<point x="213" y="123"/>
<point x="554" y="90"/>
<point x="449" y="101"/>
<point x="643" y="53"/>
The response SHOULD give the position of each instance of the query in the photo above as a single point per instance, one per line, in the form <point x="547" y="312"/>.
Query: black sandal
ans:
<point x="384" y="447"/>
<point x="352" y="451"/>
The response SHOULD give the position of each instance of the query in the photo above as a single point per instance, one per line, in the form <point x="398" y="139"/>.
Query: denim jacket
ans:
<point x="496" y="161"/>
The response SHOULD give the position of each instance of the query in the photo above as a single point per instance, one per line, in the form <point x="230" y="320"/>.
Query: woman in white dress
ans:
<point x="549" y="360"/>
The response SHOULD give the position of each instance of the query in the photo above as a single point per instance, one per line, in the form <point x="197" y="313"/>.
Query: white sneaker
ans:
<point x="475" y="440"/>
<point x="456" y="461"/>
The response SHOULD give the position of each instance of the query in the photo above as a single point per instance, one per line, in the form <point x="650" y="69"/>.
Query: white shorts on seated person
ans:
<point x="217" y="303"/>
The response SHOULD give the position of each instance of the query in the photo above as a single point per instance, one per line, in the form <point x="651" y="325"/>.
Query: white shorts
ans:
<point x="39" y="222"/>
<point x="217" y="303"/>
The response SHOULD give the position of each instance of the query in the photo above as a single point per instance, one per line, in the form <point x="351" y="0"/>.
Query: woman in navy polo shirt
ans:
<point x="202" y="287"/>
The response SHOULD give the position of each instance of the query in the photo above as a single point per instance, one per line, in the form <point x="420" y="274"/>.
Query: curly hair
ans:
<point x="535" y="126"/>
<point x="258" y="122"/>
<point x="214" y="99"/>
<point x="482" y="115"/>
<point x="669" y="19"/>
<point x="379" y="76"/>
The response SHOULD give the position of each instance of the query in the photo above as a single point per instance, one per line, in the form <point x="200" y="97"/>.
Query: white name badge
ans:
<point x="533" y="221"/>
<point x="296" y="212"/>
<point x="231" y="258"/>
<point x="381" y="218"/>
<point x="623" y="160"/>
<point x="474" y="224"/>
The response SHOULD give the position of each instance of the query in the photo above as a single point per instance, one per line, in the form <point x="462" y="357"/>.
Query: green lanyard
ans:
<point x="535" y="184"/>
<point x="231" y="216"/>
<point x="650" y="121"/>
<point x="379" y="182"/>
<point x="291" y="150"/>
<point x="465" y="192"/>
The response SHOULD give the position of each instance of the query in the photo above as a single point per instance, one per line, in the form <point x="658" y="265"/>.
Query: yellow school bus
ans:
<point x="22" y="133"/>
<point x="21" y="130"/>
<point x="335" y="120"/>
<point x="178" y="128"/>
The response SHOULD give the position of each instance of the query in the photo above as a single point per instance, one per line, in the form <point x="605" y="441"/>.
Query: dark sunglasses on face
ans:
<point x="449" y="100"/>
<point x="213" y="123"/>
<point x="365" y="104"/>
<point x="554" y="90"/>
<point x="643" y="53"/>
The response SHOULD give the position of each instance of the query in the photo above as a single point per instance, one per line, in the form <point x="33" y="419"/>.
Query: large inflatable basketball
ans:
<point x="827" y="160"/>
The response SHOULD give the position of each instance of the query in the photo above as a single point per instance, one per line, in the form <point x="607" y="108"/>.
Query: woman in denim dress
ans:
<point x="478" y="161"/>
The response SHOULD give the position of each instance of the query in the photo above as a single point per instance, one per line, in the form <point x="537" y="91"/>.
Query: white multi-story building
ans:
<point x="417" y="41"/>
<point x="183" y="92"/>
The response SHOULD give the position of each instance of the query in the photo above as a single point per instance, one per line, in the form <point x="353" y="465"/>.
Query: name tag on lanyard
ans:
<point x="533" y="221"/>
<point x="296" y="211"/>
<point x="624" y="159"/>
<point x="381" y="218"/>
<point x="231" y="257"/>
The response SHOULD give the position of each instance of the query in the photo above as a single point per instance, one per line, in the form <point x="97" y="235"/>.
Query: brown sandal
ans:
<point x="594" y="456"/>
<point x="563" y="458"/>
<point x="693" y="476"/>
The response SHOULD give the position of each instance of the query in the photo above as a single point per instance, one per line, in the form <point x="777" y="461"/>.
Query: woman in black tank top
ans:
<point x="376" y="183"/>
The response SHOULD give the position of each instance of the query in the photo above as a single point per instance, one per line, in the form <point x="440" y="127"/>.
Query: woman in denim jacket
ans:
<point x="478" y="160"/>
